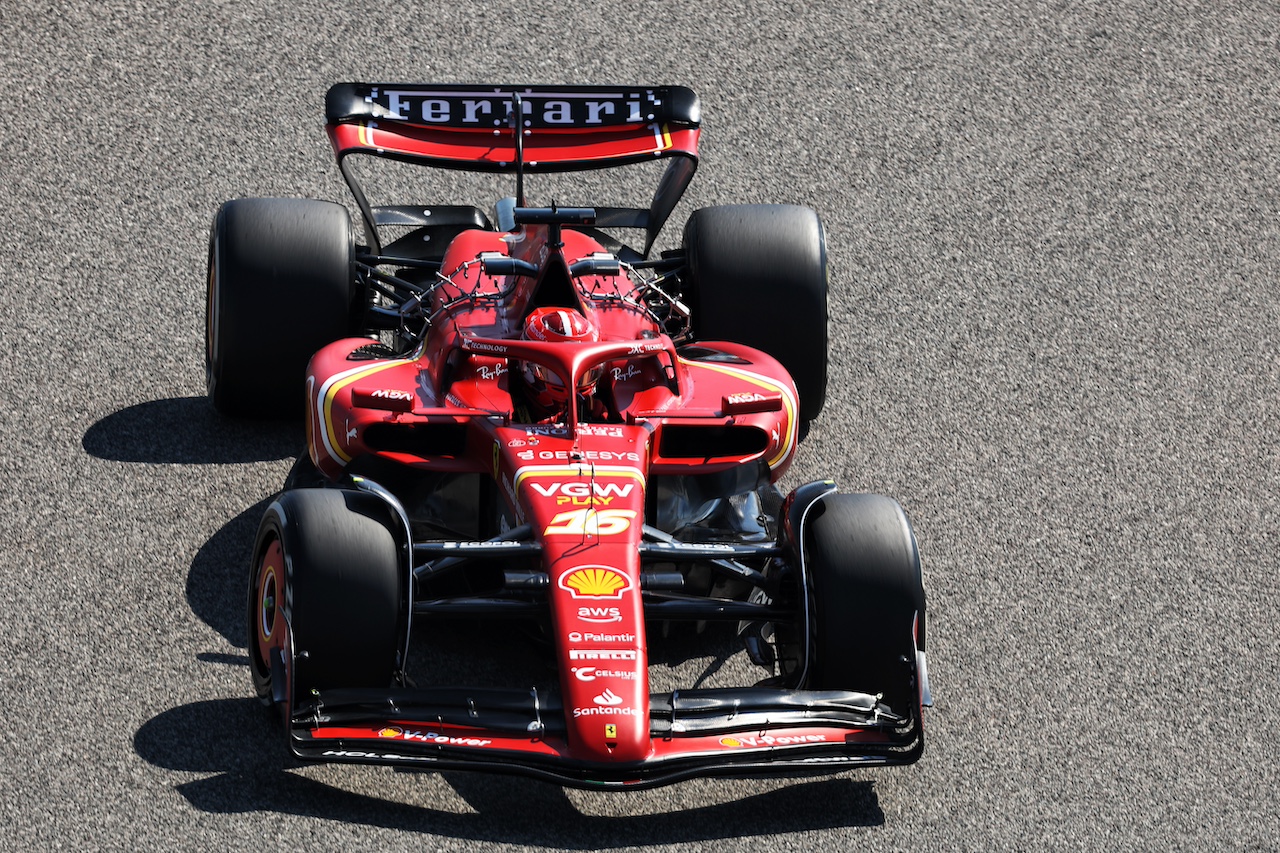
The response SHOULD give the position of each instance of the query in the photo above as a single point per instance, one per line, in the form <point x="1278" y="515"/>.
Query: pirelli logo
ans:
<point x="602" y="654"/>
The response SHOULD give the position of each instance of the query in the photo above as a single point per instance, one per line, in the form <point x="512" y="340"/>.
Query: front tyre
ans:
<point x="866" y="598"/>
<point x="327" y="601"/>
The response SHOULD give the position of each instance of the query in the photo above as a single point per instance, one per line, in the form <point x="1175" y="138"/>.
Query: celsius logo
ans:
<point x="608" y="697"/>
<point x="591" y="673"/>
<point x="600" y="614"/>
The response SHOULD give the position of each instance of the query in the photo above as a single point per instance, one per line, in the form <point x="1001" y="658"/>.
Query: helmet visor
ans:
<point x="552" y="381"/>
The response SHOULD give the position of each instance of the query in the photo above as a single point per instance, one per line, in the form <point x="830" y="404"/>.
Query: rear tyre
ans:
<point x="280" y="286"/>
<point x="326" y="596"/>
<point x="866" y="594"/>
<point x="758" y="276"/>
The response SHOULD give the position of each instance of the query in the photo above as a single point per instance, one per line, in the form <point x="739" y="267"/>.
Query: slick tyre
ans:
<point x="280" y="286"/>
<point x="866" y="595"/>
<point x="758" y="276"/>
<point x="327" y="601"/>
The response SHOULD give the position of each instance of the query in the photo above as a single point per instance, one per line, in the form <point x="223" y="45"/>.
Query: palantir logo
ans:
<point x="608" y="697"/>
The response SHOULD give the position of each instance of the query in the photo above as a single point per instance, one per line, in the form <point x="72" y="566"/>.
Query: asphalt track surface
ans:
<point x="1054" y="247"/>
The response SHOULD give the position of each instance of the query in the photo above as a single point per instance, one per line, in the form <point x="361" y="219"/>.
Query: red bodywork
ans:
<point x="581" y="486"/>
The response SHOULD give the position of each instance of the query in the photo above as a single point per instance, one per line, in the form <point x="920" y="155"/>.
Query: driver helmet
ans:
<point x="557" y="325"/>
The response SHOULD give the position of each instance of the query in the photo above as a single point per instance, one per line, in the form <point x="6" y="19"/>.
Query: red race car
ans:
<point x="516" y="419"/>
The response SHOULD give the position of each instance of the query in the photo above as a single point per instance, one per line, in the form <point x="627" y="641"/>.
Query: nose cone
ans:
<point x="585" y="501"/>
<point x="606" y="687"/>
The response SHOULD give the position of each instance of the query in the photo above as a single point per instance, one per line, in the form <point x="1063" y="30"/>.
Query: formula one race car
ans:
<point x="519" y="420"/>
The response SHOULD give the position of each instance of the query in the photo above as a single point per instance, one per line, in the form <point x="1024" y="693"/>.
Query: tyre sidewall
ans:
<point x="757" y="275"/>
<point x="866" y="597"/>
<point x="279" y="287"/>
<point x="345" y="600"/>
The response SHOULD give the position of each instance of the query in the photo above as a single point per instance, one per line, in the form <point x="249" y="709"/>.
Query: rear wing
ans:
<point x="564" y="128"/>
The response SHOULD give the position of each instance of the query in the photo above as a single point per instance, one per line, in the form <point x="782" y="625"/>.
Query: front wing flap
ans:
<point x="751" y="731"/>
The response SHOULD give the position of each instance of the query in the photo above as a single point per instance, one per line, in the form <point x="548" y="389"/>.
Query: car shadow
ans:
<point x="238" y="743"/>
<point x="219" y="572"/>
<point x="188" y="431"/>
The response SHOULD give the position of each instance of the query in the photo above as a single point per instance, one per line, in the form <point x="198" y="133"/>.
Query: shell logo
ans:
<point x="730" y="741"/>
<point x="595" y="582"/>
<point x="390" y="731"/>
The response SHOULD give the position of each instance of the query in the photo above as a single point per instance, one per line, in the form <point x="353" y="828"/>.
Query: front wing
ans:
<point x="750" y="732"/>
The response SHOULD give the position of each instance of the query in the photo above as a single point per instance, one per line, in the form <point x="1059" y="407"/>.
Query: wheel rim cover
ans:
<point x="269" y="621"/>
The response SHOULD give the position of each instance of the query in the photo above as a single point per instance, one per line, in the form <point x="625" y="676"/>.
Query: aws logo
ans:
<point x="600" y="614"/>
<point x="595" y="582"/>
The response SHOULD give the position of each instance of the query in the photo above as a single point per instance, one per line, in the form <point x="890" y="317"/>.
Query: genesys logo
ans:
<point x="591" y="673"/>
<point x="600" y="614"/>
<point x="589" y="455"/>
<point x="595" y="582"/>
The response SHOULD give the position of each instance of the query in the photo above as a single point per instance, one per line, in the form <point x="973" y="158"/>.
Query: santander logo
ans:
<point x="608" y="697"/>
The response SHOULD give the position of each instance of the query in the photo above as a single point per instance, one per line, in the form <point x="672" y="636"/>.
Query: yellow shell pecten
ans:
<point x="595" y="581"/>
